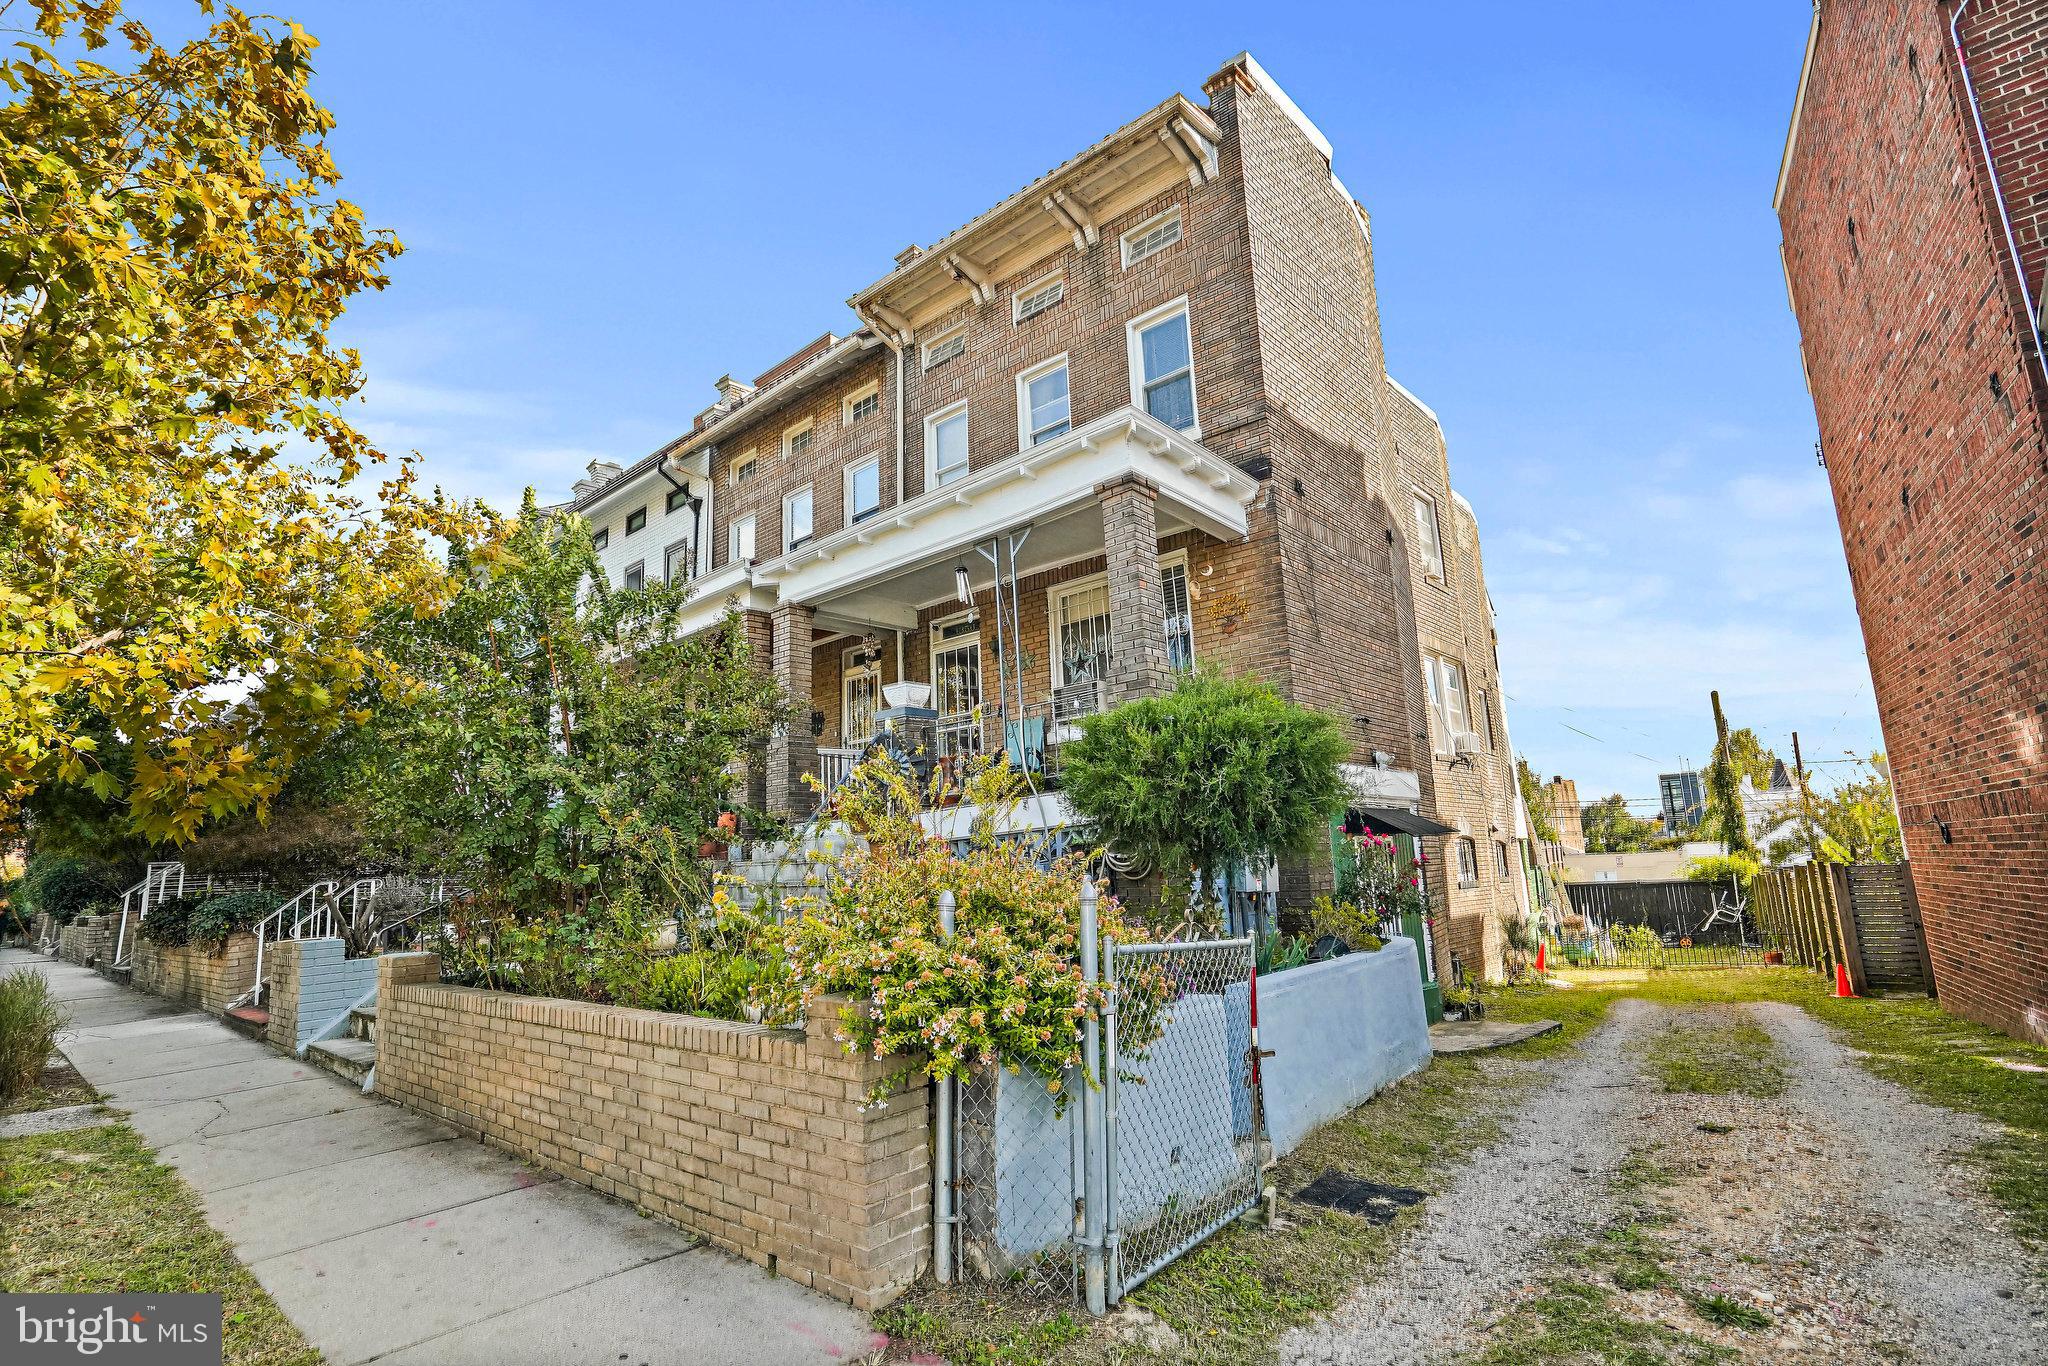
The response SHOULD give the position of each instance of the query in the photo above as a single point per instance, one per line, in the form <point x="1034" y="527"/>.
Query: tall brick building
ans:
<point x="1150" y="382"/>
<point x="1913" y="199"/>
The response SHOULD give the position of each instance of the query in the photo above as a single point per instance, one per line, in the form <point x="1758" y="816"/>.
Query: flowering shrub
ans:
<point x="1376" y="882"/>
<point x="1006" y="989"/>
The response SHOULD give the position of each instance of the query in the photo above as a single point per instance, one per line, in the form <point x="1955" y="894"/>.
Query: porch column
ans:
<point x="792" y="749"/>
<point x="1137" y="609"/>
<point x="759" y="633"/>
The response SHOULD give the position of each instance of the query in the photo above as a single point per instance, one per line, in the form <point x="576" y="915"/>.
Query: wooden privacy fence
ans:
<point x="1863" y="916"/>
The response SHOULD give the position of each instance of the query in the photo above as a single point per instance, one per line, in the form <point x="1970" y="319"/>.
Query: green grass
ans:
<point x="1575" y="1320"/>
<point x="93" y="1211"/>
<point x="1707" y="1057"/>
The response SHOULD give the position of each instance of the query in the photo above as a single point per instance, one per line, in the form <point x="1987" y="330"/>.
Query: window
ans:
<point x="1042" y="403"/>
<point x="796" y="440"/>
<point x="862" y="403"/>
<point x="1426" y="536"/>
<point x="636" y="575"/>
<point x="1447" y="702"/>
<point x="945" y="446"/>
<point x="1162" y="366"/>
<point x="1486" y="714"/>
<point x="1468" y="864"/>
<point x="742" y="534"/>
<point x="944" y="347"/>
<point x="1080" y="633"/>
<point x="602" y="539"/>
<point x="675" y="562"/>
<point x="1180" y="617"/>
<point x="1500" y="860"/>
<point x="677" y="498"/>
<point x="635" y="520"/>
<point x="796" y="519"/>
<point x="1151" y="237"/>
<point x="1036" y="299"/>
<point x="864" y="489"/>
<point x="743" y="470"/>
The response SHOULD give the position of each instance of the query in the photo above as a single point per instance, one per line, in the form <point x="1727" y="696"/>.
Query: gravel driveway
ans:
<point x="1838" y="1208"/>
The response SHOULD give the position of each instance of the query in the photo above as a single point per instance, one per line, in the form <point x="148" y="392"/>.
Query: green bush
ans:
<point x="14" y="913"/>
<point x="64" y="887"/>
<point x="205" y="921"/>
<point x="29" y="1020"/>
<point x="704" y="982"/>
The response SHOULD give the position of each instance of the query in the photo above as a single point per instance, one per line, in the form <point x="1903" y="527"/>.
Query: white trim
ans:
<point x="1278" y="96"/>
<point x="958" y="330"/>
<point x="752" y="523"/>
<point x="1024" y="379"/>
<point x="1798" y="110"/>
<point x="1039" y="286"/>
<point x="790" y="540"/>
<point x="871" y="390"/>
<point x="1409" y="394"/>
<point x="847" y="509"/>
<point x="932" y="424"/>
<point x="1135" y="354"/>
<point x="1125" y="241"/>
<point x="1439" y="571"/>
<point x="750" y="458"/>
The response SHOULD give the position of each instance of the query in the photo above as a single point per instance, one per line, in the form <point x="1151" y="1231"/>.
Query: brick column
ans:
<point x="792" y="749"/>
<point x="1137" y="611"/>
<point x="759" y="634"/>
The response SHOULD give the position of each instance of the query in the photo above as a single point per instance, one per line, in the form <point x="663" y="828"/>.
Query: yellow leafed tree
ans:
<point x="195" y="544"/>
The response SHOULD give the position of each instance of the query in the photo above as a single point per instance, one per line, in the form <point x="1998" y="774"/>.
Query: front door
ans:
<point x="956" y="686"/>
<point x="860" y="696"/>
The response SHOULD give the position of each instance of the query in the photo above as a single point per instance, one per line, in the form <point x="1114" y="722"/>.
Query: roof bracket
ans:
<point x="1077" y="215"/>
<point x="1199" y="146"/>
<point x="1181" y="152"/>
<point x="973" y="276"/>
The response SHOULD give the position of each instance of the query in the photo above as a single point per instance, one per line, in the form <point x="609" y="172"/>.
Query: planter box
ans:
<point x="194" y="974"/>
<point x="754" y="1137"/>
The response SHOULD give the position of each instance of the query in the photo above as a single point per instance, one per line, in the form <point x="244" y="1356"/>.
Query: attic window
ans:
<point x="944" y="348"/>
<point x="1151" y="237"/>
<point x="1029" y="303"/>
<point x="742" y="470"/>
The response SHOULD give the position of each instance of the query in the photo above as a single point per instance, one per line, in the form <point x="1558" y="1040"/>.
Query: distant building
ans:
<point x="1561" y="802"/>
<point x="1685" y="801"/>
<point x="1643" y="865"/>
<point x="1772" y="813"/>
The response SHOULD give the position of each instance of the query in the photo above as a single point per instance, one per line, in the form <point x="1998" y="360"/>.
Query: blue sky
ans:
<point x="607" y="208"/>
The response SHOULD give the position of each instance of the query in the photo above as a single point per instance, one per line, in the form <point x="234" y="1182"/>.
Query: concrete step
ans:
<point x="349" y="1058"/>
<point x="253" y="1021"/>
<point x="362" y="1023"/>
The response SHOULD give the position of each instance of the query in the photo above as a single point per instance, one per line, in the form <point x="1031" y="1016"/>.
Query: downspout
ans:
<point x="1955" y="34"/>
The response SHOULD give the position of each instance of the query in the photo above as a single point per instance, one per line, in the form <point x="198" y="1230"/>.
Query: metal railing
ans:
<point x="306" y="907"/>
<point x="153" y="890"/>
<point x="835" y="765"/>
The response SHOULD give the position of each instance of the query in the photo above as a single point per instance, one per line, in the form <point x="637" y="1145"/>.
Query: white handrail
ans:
<point x="262" y="931"/>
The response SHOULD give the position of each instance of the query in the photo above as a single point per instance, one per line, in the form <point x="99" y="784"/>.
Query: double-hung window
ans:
<point x="945" y="444"/>
<point x="636" y="575"/>
<point x="1044" y="410"/>
<point x="602" y="539"/>
<point x="1162" y="366"/>
<point x="1081" y="634"/>
<point x="1468" y="864"/>
<point x="1428" y="537"/>
<point x="1180" y="617"/>
<point x="864" y="489"/>
<point x="1500" y="860"/>
<point x="742" y="540"/>
<point x="675" y="562"/>
<point x="796" y="519"/>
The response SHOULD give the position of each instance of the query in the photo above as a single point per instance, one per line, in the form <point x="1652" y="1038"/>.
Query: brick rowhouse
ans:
<point x="1915" y="267"/>
<point x="1163" y="360"/>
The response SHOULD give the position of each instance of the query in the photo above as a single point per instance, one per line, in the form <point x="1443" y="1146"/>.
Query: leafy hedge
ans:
<point x="205" y="921"/>
<point x="68" y="887"/>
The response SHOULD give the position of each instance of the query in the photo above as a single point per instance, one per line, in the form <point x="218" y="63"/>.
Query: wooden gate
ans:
<point x="1886" y="918"/>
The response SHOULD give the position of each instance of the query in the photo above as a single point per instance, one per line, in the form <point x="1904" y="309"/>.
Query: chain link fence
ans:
<point x="1018" y="1192"/>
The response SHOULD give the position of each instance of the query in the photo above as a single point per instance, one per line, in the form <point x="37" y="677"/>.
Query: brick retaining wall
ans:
<point x="312" y="984"/>
<point x="191" y="973"/>
<point x="89" y="940"/>
<point x="754" y="1137"/>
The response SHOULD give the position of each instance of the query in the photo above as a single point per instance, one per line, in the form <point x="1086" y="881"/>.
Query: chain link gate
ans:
<point x="1171" y="1138"/>
<point x="1182" y="1122"/>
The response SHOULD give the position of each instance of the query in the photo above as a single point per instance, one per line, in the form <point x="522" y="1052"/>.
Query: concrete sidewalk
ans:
<point x="387" y="1237"/>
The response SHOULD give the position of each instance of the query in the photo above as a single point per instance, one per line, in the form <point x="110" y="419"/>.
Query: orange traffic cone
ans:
<point x="1842" y="980"/>
<point x="1542" y="951"/>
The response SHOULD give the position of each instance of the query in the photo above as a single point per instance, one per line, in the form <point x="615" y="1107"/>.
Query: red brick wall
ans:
<point x="1930" y="412"/>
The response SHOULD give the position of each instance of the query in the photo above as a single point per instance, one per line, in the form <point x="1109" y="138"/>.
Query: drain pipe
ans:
<point x="943" y="1152"/>
<point x="2019" y="270"/>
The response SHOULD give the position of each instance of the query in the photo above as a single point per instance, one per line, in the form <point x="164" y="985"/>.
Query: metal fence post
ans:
<point x="1111" y="1239"/>
<point x="1094" y="1145"/>
<point x="943" y="1155"/>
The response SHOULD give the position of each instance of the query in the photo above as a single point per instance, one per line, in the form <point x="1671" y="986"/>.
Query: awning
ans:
<point x="1387" y="820"/>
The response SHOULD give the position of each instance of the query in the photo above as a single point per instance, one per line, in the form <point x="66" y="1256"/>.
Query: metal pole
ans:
<point x="1094" y="1146"/>
<point x="942" y="1151"/>
<point x="1112" y="1240"/>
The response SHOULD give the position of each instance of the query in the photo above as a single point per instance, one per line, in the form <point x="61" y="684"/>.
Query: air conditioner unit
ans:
<point x="1465" y="742"/>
